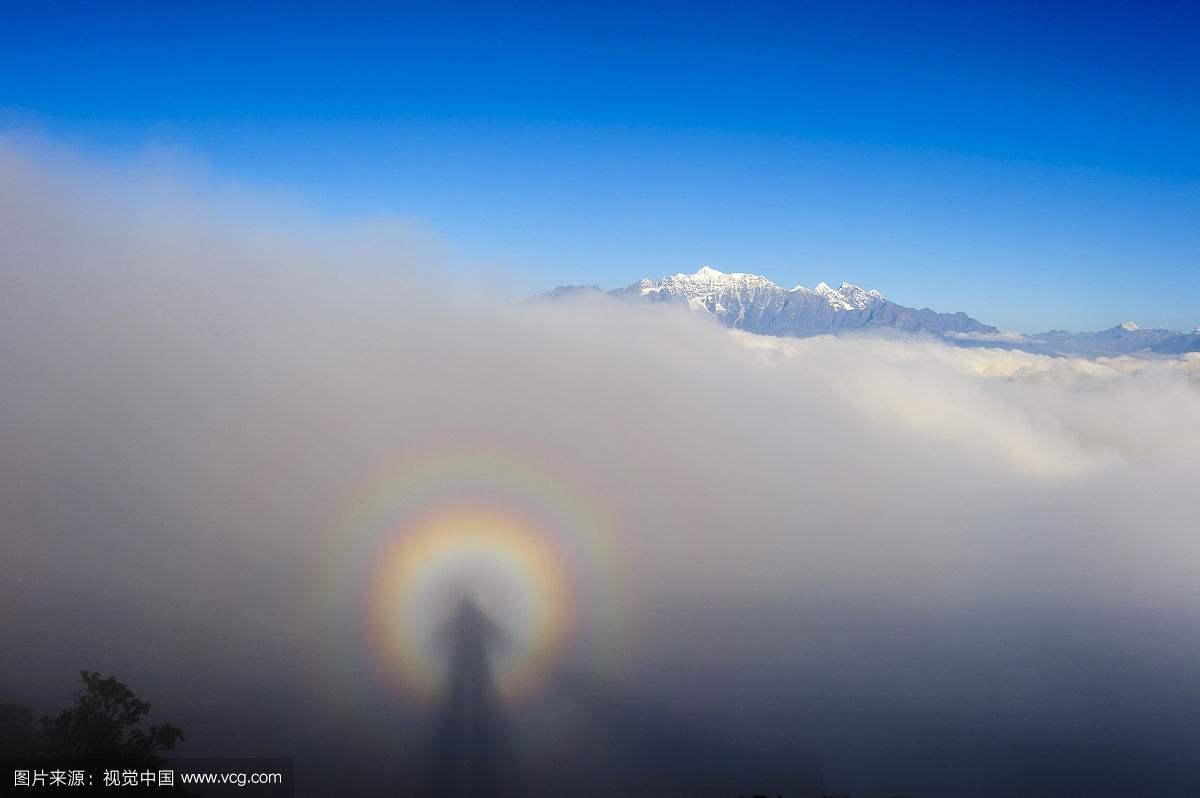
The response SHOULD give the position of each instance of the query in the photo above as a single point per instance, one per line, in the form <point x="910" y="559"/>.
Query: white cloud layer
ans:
<point x="192" y="401"/>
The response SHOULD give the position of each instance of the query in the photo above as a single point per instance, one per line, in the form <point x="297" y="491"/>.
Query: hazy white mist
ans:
<point x="193" y="388"/>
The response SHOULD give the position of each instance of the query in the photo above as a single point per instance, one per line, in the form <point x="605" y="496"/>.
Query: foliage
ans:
<point x="105" y="720"/>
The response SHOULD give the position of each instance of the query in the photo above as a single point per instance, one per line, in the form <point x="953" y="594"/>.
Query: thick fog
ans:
<point x="921" y="569"/>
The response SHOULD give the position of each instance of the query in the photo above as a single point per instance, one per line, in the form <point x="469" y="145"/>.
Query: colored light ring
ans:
<point x="539" y="549"/>
<point x="511" y="569"/>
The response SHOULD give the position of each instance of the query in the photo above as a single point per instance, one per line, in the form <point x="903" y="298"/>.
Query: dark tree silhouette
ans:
<point x="17" y="737"/>
<point x="105" y="720"/>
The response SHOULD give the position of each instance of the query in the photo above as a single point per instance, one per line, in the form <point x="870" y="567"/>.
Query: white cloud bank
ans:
<point x="192" y="402"/>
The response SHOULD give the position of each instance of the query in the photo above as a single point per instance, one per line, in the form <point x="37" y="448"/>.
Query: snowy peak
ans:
<point x="714" y="291"/>
<point x="1124" y="339"/>
<point x="857" y="297"/>
<point x="708" y="281"/>
<point x="707" y="275"/>
<point x="847" y="297"/>
<point x="734" y="293"/>
<point x="834" y="298"/>
<point x="755" y="303"/>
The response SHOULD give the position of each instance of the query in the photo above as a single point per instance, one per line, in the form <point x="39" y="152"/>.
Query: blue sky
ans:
<point x="1036" y="165"/>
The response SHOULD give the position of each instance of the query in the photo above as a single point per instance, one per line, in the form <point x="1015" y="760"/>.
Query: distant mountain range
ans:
<point x="1124" y="339"/>
<point x="755" y="304"/>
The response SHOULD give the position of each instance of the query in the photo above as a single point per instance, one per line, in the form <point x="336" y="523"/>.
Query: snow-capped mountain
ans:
<point x="1124" y="339"/>
<point x="754" y="303"/>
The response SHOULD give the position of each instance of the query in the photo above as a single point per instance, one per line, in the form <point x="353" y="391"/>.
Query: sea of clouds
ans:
<point x="196" y="380"/>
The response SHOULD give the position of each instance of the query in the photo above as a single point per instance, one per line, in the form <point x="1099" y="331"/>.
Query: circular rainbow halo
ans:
<point x="508" y="566"/>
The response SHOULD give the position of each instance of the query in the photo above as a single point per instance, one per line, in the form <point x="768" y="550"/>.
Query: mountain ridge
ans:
<point x="755" y="303"/>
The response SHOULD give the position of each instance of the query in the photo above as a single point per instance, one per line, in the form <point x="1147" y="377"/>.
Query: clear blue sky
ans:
<point x="1036" y="165"/>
